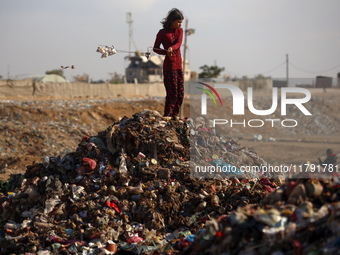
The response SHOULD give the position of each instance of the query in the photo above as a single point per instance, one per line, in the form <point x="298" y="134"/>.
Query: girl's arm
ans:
<point x="157" y="45"/>
<point x="179" y="41"/>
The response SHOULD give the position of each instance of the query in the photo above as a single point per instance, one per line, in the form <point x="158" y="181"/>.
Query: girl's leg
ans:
<point x="180" y="92"/>
<point x="170" y="83"/>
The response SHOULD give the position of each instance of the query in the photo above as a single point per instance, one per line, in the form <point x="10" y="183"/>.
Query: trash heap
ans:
<point x="209" y="149"/>
<point x="130" y="189"/>
<point x="299" y="217"/>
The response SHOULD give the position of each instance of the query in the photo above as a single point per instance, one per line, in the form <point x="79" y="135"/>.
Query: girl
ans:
<point x="171" y="38"/>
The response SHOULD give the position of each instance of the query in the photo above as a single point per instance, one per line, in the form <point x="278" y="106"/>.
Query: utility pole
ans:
<point x="186" y="33"/>
<point x="287" y="73"/>
<point x="184" y="64"/>
<point x="185" y="47"/>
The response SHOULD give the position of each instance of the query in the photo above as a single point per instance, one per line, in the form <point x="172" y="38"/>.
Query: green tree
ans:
<point x="210" y="71"/>
<point x="57" y="72"/>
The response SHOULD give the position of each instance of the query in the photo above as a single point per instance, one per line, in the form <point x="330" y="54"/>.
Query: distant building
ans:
<point x="323" y="82"/>
<point x="279" y="83"/>
<point x="143" y="70"/>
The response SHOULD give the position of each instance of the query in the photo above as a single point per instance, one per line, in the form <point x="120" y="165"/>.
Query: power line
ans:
<point x="292" y="65"/>
<point x="308" y="71"/>
<point x="269" y="71"/>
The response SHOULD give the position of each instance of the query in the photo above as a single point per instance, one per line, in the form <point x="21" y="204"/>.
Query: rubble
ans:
<point x="131" y="188"/>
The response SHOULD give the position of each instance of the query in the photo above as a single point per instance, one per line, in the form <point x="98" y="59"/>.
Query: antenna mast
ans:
<point x="287" y="71"/>
<point x="129" y="21"/>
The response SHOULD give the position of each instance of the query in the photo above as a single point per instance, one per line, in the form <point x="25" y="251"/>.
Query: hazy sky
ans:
<point x="246" y="37"/>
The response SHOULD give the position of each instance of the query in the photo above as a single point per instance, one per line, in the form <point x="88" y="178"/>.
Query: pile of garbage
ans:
<point x="131" y="189"/>
<point x="299" y="217"/>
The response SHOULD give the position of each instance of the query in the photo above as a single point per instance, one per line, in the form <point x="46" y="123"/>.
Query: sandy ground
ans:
<point x="32" y="128"/>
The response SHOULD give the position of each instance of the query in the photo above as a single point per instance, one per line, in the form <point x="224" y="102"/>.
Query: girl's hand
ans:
<point x="170" y="52"/>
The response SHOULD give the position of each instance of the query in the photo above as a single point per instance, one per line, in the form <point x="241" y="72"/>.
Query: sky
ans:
<point x="246" y="37"/>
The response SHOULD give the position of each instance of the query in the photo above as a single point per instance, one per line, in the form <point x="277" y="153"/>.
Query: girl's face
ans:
<point x="177" y="24"/>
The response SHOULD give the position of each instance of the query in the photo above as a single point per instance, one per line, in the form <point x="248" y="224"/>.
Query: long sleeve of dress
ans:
<point x="170" y="38"/>
<point x="178" y="44"/>
<point x="157" y="45"/>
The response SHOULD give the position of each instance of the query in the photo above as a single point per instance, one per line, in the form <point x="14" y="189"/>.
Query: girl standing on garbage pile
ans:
<point x="171" y="38"/>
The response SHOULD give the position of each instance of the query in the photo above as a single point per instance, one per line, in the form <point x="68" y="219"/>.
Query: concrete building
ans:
<point x="323" y="82"/>
<point x="143" y="70"/>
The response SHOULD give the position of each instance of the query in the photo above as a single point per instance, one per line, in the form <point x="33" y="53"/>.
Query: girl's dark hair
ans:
<point x="173" y="15"/>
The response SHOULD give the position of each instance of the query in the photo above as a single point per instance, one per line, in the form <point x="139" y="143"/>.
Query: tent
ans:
<point x="50" y="78"/>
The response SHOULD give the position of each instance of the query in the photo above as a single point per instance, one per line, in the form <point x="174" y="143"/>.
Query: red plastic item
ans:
<point x="85" y="138"/>
<point x="235" y="180"/>
<point x="112" y="205"/>
<point x="91" y="163"/>
<point x="134" y="239"/>
<point x="268" y="189"/>
<point x="265" y="181"/>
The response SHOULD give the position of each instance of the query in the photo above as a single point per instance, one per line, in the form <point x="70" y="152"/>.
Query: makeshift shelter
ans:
<point x="50" y="78"/>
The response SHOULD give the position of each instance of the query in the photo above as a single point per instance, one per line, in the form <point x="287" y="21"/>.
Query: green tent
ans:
<point x="50" y="78"/>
